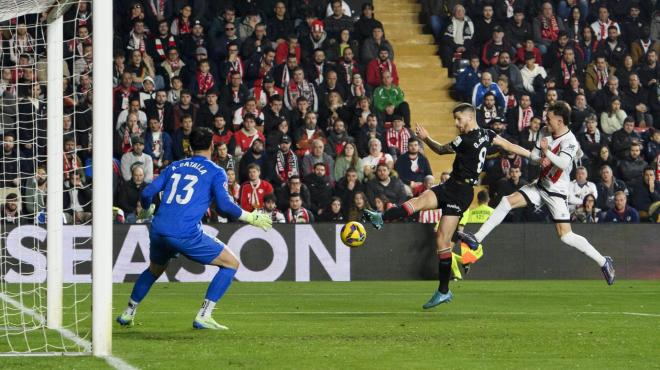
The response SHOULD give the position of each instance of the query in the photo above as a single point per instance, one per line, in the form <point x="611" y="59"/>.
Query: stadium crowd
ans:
<point x="307" y="115"/>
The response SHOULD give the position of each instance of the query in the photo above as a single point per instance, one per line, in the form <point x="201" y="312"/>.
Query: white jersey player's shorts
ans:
<point x="535" y="195"/>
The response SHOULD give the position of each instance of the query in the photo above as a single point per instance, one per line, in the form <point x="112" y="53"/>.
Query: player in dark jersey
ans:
<point x="455" y="195"/>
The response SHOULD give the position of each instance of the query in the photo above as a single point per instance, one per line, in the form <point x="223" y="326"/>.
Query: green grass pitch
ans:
<point x="380" y="325"/>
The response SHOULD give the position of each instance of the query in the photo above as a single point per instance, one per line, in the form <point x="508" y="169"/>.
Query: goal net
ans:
<point x="45" y="177"/>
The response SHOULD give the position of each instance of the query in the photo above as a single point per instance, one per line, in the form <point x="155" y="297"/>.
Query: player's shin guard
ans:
<point x="142" y="286"/>
<point x="444" y="270"/>
<point x="495" y="219"/>
<point x="398" y="212"/>
<point x="582" y="244"/>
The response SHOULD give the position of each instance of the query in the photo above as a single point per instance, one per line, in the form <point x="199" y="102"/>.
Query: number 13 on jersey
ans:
<point x="187" y="190"/>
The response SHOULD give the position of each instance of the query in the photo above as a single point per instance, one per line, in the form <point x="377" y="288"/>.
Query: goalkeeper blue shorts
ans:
<point x="201" y="248"/>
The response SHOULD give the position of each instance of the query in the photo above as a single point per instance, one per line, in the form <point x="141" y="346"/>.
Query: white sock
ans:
<point x="580" y="243"/>
<point x="495" y="219"/>
<point x="131" y="308"/>
<point x="206" y="309"/>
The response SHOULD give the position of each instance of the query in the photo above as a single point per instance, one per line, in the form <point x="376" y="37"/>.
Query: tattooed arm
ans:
<point x="433" y="145"/>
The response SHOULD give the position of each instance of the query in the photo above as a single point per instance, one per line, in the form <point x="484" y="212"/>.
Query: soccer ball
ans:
<point x="353" y="234"/>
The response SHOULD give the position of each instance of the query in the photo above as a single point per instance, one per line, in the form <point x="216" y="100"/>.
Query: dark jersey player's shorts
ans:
<point x="453" y="197"/>
<point x="200" y="248"/>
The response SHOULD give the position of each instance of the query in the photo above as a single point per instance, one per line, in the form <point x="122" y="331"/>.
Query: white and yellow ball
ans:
<point x="353" y="234"/>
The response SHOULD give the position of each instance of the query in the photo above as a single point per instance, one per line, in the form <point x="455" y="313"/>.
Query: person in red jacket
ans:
<point x="248" y="134"/>
<point x="284" y="49"/>
<point x="380" y="64"/>
<point x="254" y="190"/>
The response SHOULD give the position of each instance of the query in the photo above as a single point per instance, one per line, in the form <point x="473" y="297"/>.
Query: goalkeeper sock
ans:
<point x="580" y="243"/>
<point x="217" y="289"/>
<point x="495" y="219"/>
<point x="141" y="288"/>
<point x="398" y="212"/>
<point x="444" y="270"/>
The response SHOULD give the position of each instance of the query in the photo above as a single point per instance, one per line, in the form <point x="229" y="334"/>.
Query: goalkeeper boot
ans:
<point x="126" y="319"/>
<point x="374" y="217"/>
<point x="469" y="239"/>
<point x="207" y="323"/>
<point x="608" y="270"/>
<point x="438" y="299"/>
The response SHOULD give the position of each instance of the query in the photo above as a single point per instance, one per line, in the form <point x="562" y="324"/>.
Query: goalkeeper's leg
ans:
<point x="140" y="290"/>
<point x="228" y="264"/>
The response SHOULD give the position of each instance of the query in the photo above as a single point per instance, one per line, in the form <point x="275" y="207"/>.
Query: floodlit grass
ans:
<point x="356" y="325"/>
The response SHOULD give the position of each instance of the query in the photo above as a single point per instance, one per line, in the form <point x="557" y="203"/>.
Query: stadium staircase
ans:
<point x="421" y="76"/>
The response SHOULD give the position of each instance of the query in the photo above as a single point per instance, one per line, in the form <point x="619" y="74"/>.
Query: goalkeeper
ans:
<point x="188" y="187"/>
<point x="477" y="215"/>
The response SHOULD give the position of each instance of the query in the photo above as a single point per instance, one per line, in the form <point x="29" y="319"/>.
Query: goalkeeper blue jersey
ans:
<point x="188" y="187"/>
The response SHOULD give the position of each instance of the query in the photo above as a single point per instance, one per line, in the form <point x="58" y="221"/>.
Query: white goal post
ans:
<point x="101" y="207"/>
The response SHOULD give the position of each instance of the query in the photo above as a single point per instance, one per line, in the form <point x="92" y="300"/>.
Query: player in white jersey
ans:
<point x="555" y="153"/>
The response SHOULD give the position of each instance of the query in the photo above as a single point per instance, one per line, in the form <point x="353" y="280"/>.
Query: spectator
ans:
<point x="489" y="111"/>
<point x="494" y="47"/>
<point x="602" y="25"/>
<point x="77" y="200"/>
<point x="645" y="194"/>
<point x="375" y="157"/>
<point x="580" y="112"/>
<point x="365" y="25"/>
<point x="184" y="106"/>
<point x="298" y="86"/>
<point x="317" y="155"/>
<point x="612" y="120"/>
<point x="222" y="134"/>
<point x="357" y="206"/>
<point x="623" y="138"/>
<point x="233" y="187"/>
<point x="181" y="145"/>
<point x="320" y="188"/>
<point x="650" y="71"/>
<point x="635" y="102"/>
<point x="519" y="118"/>
<point x="208" y="111"/>
<point x="307" y="134"/>
<point x="338" y="20"/>
<point x="621" y="212"/>
<point x="257" y="155"/>
<point x="507" y="186"/>
<point x="158" y="145"/>
<point x="373" y="44"/>
<point x="413" y="167"/>
<point x="297" y="214"/>
<point x="234" y="95"/>
<point x="333" y="212"/>
<point x="597" y="75"/>
<point x="280" y="25"/>
<point x="587" y="213"/>
<point x="532" y="74"/>
<point x="547" y="27"/>
<point x="389" y="100"/>
<point x="530" y="135"/>
<point x="247" y="26"/>
<point x="318" y="66"/>
<point x="130" y="128"/>
<point x="484" y="25"/>
<point x="632" y="168"/>
<point x="270" y="207"/>
<point x="247" y="135"/>
<point x="254" y="190"/>
<point x="652" y="147"/>
<point x="137" y="157"/>
<point x="36" y="191"/>
<point x="591" y="140"/>
<point x="376" y="67"/>
<point x="204" y="80"/>
<point x="222" y="158"/>
<point x="72" y="162"/>
<point x="487" y="86"/>
<point x="397" y="137"/>
<point x="337" y="138"/>
<point x="607" y="187"/>
<point x="384" y="184"/>
<point x="129" y="194"/>
<point x="286" y="162"/>
<point x="458" y="36"/>
<point x="11" y="211"/>
<point x="580" y="188"/>
<point x="529" y="50"/>
<point x="348" y="158"/>
<point x="250" y="107"/>
<point x="293" y="186"/>
<point x="640" y="46"/>
<point x="468" y="79"/>
<point x="519" y="30"/>
<point x="372" y="130"/>
<point x="614" y="49"/>
<point x="133" y="107"/>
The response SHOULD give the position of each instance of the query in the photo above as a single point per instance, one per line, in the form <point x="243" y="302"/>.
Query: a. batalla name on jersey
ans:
<point x="189" y="164"/>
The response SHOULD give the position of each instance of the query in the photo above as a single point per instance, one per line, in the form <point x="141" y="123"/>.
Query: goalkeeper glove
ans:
<point x="146" y="213"/>
<point x="259" y="219"/>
